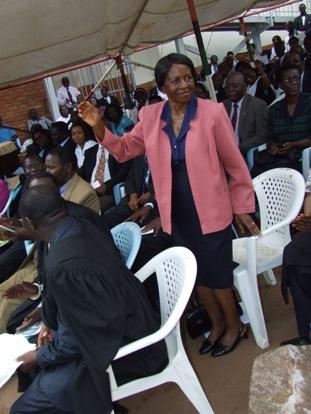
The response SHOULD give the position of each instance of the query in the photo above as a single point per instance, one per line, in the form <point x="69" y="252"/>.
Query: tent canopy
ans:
<point x="39" y="36"/>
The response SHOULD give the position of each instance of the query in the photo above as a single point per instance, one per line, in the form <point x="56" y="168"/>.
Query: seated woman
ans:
<point x="117" y="122"/>
<point x="42" y="142"/>
<point x="4" y="194"/>
<point x="64" y="115"/>
<point x="79" y="135"/>
<point x="289" y="126"/>
<point x="102" y="171"/>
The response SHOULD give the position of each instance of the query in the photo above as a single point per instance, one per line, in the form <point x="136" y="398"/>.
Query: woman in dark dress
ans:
<point x="200" y="181"/>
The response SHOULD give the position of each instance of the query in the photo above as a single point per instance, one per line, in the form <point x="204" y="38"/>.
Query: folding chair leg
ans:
<point x="187" y="380"/>
<point x="270" y="278"/>
<point x="248" y="290"/>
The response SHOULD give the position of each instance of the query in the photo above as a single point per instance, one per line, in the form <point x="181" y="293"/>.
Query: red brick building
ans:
<point x="16" y="101"/>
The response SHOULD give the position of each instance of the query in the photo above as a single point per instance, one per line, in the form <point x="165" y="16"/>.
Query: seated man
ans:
<point x="248" y="114"/>
<point x="13" y="256"/>
<point x="103" y="171"/>
<point x="62" y="164"/>
<point x="296" y="273"/>
<point x="114" y="312"/>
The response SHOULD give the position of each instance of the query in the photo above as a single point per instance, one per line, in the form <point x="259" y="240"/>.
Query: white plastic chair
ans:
<point x="127" y="238"/>
<point x="7" y="205"/>
<point x="280" y="194"/>
<point x="176" y="272"/>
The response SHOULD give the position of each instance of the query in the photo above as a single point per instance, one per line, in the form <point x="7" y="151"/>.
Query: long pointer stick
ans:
<point x="99" y="82"/>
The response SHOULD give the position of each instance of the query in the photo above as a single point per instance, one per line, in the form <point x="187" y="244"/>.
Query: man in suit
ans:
<point x="107" y="99"/>
<point x="62" y="164"/>
<point x="60" y="136"/>
<point x="248" y="114"/>
<point x="102" y="171"/>
<point x="73" y="377"/>
<point x="302" y="23"/>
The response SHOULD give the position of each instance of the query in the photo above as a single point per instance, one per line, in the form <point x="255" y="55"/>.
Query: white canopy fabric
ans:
<point x="37" y="36"/>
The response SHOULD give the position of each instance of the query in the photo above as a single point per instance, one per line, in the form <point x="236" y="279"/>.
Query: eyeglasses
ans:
<point x="177" y="81"/>
<point x="292" y="79"/>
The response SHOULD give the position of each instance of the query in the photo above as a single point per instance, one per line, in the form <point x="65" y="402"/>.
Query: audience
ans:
<point x="289" y="126"/>
<point x="78" y="134"/>
<point x="60" y="136"/>
<point x="102" y="171"/>
<point x="34" y="119"/>
<point x="248" y="114"/>
<point x="64" y="115"/>
<point x="118" y="123"/>
<point x="69" y="180"/>
<point x="42" y="142"/>
<point x="67" y="95"/>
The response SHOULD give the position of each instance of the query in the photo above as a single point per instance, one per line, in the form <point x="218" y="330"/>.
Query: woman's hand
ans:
<point x="286" y="148"/>
<point x="245" y="223"/>
<point x="89" y="114"/>
<point x="144" y="198"/>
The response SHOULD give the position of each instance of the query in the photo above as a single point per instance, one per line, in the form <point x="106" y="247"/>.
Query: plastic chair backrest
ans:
<point x="176" y="270"/>
<point x="127" y="238"/>
<point x="251" y="154"/>
<point x="306" y="162"/>
<point x="280" y="194"/>
<point x="118" y="192"/>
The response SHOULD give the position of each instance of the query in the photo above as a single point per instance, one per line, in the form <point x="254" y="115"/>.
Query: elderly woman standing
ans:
<point x="200" y="181"/>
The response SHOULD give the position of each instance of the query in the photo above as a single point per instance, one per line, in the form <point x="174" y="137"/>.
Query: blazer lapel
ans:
<point x="242" y="117"/>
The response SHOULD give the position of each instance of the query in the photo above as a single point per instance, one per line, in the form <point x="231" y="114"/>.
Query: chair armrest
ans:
<point x="145" y="341"/>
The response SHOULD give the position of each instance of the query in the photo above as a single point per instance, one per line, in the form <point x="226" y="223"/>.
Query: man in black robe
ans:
<point x="93" y="305"/>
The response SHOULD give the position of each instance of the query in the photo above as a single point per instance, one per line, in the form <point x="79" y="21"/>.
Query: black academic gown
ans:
<point x="103" y="305"/>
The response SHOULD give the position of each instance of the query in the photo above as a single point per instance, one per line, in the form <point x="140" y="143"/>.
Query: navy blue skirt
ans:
<point x="213" y="251"/>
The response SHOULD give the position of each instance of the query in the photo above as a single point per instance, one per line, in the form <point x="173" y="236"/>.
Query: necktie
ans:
<point x="99" y="175"/>
<point x="234" y="116"/>
<point x="69" y="95"/>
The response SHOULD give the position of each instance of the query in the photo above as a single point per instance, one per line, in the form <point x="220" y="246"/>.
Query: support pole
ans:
<point x="119" y="63"/>
<point x="198" y="35"/>
<point x="248" y="46"/>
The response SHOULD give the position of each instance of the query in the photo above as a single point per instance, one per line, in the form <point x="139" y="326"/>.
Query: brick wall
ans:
<point x="16" y="101"/>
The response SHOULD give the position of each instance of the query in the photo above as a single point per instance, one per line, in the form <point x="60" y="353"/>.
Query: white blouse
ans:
<point x="81" y="151"/>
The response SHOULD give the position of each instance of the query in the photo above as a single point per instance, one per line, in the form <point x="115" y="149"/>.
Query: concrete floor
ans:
<point x="225" y="379"/>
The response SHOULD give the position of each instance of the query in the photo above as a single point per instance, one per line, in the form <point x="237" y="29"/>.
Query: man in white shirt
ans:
<point x="67" y="95"/>
<point x="214" y="64"/>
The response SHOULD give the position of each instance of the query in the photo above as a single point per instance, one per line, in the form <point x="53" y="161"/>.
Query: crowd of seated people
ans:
<point x="72" y="173"/>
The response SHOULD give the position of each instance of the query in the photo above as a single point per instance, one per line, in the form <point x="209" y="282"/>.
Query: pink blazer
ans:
<point x="211" y="153"/>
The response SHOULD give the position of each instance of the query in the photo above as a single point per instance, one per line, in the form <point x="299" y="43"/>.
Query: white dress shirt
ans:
<point x="236" y="131"/>
<point x="94" y="183"/>
<point x="62" y="95"/>
<point x="80" y="152"/>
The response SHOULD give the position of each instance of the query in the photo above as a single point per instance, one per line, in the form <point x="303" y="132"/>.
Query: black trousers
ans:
<point x="299" y="283"/>
<point x="11" y="259"/>
<point x="119" y="213"/>
<point x="296" y="276"/>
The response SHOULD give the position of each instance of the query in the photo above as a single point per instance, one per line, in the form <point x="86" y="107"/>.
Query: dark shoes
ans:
<point x="208" y="345"/>
<point x="299" y="341"/>
<point x="220" y="349"/>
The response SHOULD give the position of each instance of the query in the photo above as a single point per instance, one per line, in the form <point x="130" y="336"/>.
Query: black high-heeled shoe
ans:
<point x="208" y="345"/>
<point x="220" y="349"/>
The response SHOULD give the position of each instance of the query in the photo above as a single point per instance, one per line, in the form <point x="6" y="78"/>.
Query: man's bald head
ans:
<point x="235" y="86"/>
